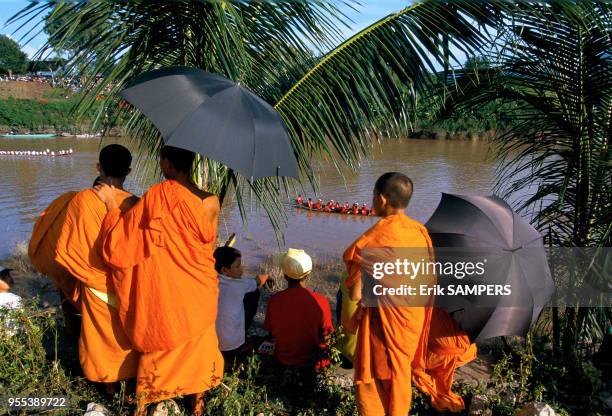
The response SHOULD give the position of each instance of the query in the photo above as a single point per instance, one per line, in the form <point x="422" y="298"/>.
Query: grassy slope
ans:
<point x="42" y="358"/>
<point x="37" y="107"/>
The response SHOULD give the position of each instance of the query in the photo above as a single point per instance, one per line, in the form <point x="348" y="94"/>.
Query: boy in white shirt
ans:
<point x="238" y="301"/>
<point x="8" y="301"/>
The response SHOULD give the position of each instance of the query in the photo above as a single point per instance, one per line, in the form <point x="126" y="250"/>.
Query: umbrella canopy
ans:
<point x="473" y="225"/>
<point x="215" y="117"/>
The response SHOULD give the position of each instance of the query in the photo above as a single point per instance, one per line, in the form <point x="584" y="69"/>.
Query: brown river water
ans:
<point x="30" y="183"/>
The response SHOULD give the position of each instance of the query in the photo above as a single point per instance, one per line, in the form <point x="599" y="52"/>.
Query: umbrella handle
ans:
<point x="230" y="241"/>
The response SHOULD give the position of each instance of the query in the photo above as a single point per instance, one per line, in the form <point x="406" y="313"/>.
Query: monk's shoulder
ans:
<point x="159" y="188"/>
<point x="128" y="202"/>
<point x="211" y="201"/>
<point x="416" y="224"/>
<point x="85" y="198"/>
<point x="59" y="203"/>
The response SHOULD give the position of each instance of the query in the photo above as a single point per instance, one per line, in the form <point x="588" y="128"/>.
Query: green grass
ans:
<point x="35" y="115"/>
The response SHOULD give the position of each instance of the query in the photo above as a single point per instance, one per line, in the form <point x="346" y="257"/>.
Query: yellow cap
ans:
<point x="296" y="264"/>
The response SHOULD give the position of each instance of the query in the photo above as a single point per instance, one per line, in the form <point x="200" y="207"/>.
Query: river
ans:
<point x="30" y="183"/>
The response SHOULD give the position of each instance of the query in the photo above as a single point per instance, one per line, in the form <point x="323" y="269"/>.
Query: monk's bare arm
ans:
<point x="212" y="207"/>
<point x="355" y="291"/>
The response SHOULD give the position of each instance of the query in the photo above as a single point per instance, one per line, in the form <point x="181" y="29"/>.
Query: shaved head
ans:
<point x="396" y="188"/>
<point x="115" y="161"/>
<point x="181" y="159"/>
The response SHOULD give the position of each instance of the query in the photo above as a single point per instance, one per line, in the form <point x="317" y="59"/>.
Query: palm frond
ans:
<point x="555" y="154"/>
<point x="336" y="107"/>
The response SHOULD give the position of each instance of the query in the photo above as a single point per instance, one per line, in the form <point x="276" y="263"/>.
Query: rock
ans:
<point x="95" y="409"/>
<point x="536" y="409"/>
<point x="479" y="406"/>
<point x="166" y="408"/>
<point x="509" y="398"/>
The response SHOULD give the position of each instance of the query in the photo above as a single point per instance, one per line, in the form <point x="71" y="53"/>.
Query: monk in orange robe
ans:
<point x="449" y="348"/>
<point x="391" y="337"/>
<point x="161" y="256"/>
<point x="105" y="352"/>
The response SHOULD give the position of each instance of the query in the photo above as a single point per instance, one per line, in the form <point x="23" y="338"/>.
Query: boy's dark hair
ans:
<point x="5" y="276"/>
<point x="181" y="159"/>
<point x="396" y="188"/>
<point x="225" y="257"/>
<point x="115" y="160"/>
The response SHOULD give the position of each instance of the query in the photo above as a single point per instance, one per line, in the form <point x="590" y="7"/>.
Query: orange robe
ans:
<point x="105" y="352"/>
<point x="391" y="340"/>
<point x="448" y="348"/>
<point x="43" y="244"/>
<point x="161" y="254"/>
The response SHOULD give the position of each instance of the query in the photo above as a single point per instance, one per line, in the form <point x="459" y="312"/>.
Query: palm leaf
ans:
<point x="334" y="108"/>
<point x="555" y="66"/>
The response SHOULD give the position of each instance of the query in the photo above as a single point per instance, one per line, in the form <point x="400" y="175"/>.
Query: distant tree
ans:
<point x="51" y="64"/>
<point x="12" y="58"/>
<point x="477" y="62"/>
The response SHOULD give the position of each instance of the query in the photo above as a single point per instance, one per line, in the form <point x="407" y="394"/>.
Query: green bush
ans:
<point x="54" y="114"/>
<point x="37" y="359"/>
<point x="30" y="362"/>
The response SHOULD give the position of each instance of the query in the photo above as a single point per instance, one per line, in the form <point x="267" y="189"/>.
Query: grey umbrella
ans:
<point x="215" y="117"/>
<point x="472" y="227"/>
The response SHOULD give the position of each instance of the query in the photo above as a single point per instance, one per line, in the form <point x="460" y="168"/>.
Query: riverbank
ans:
<point x="38" y="108"/>
<point x="501" y="382"/>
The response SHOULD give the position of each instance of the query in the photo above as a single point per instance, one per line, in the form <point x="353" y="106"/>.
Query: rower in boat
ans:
<point x="300" y="200"/>
<point x="337" y="207"/>
<point x="318" y="204"/>
<point x="372" y="212"/>
<point x="345" y="208"/>
<point x="309" y="203"/>
<point x="355" y="209"/>
<point x="364" y="210"/>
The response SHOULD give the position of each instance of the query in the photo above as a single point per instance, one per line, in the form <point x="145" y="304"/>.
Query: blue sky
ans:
<point x="368" y="12"/>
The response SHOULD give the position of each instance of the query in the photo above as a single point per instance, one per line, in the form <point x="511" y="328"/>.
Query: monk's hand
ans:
<point x="107" y="194"/>
<point x="262" y="279"/>
<point x="352" y="324"/>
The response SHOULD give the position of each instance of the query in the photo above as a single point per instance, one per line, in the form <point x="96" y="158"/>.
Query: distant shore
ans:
<point x="38" y="108"/>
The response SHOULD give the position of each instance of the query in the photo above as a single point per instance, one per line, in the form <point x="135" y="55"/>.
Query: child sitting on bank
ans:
<point x="8" y="301"/>
<point x="238" y="301"/>
<point x="298" y="318"/>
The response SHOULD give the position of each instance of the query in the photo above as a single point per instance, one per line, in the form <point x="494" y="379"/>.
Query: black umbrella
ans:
<point x="215" y="117"/>
<point x="472" y="227"/>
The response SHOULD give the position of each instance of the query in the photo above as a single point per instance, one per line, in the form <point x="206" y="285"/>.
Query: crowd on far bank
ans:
<point x="73" y="84"/>
<point x="154" y="298"/>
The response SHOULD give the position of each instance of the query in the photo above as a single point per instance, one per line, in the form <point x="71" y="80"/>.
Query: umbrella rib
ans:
<point x="490" y="219"/>
<point x="254" y="137"/>
<point x="471" y="237"/>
